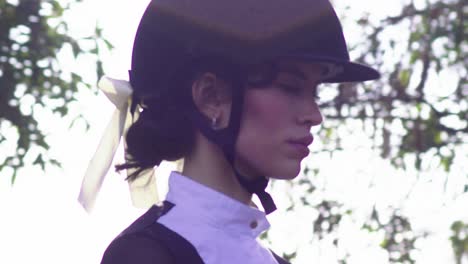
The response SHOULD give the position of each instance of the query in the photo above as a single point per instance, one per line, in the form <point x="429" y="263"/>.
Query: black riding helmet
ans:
<point x="174" y="33"/>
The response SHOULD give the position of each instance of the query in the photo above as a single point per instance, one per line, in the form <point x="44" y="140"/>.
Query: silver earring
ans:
<point x="214" y="122"/>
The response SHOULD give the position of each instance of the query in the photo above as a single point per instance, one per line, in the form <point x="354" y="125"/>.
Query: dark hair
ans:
<point x="164" y="129"/>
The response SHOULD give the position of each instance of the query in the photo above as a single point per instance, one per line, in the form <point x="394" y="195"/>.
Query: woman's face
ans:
<point x="275" y="128"/>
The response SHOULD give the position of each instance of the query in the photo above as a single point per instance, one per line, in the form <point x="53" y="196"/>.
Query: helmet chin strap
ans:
<point x="226" y="138"/>
<point x="257" y="187"/>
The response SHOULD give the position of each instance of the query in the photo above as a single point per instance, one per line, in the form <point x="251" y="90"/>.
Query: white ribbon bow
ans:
<point x="143" y="189"/>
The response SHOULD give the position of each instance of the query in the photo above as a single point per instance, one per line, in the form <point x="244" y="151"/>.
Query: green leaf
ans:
<point x="415" y="56"/>
<point x="108" y="44"/>
<point x="39" y="161"/>
<point x="404" y="77"/>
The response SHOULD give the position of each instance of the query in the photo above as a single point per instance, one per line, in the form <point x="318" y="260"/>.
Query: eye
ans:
<point x="297" y="90"/>
<point x="290" y="88"/>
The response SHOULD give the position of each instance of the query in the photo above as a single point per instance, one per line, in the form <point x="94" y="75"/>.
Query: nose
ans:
<point x="310" y="114"/>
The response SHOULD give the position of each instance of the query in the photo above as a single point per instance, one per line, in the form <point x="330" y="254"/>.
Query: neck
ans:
<point x="208" y="166"/>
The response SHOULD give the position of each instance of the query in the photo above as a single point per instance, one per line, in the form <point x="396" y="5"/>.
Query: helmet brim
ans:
<point x="349" y="71"/>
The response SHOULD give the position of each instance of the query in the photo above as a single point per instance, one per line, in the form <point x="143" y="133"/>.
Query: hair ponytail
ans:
<point x="162" y="132"/>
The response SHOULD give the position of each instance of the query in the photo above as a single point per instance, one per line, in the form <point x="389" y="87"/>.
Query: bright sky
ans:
<point x="42" y="222"/>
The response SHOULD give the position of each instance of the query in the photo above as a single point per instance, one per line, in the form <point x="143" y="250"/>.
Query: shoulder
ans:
<point x="137" y="244"/>
<point x="137" y="248"/>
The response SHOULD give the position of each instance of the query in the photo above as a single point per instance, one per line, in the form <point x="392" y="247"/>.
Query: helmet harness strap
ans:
<point x="226" y="139"/>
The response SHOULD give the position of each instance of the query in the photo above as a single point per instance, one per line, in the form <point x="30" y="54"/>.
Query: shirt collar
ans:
<point x="202" y="203"/>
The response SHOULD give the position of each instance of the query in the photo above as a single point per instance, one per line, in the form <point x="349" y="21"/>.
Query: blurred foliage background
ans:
<point x="33" y="33"/>
<point x="414" y="117"/>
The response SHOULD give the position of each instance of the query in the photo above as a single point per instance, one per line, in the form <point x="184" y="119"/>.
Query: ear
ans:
<point x="212" y="98"/>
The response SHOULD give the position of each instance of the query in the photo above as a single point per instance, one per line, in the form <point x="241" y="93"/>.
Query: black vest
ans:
<point x="145" y="228"/>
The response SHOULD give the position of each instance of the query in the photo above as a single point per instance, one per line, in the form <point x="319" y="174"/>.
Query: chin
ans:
<point x="288" y="173"/>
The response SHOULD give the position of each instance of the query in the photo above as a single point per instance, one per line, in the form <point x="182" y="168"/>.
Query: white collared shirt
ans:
<point x="222" y="230"/>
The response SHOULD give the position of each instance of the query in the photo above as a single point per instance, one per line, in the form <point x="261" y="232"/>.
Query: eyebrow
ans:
<point x="293" y="71"/>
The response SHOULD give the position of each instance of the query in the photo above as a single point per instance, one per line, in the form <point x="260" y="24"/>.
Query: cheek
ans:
<point x="264" y="109"/>
<point x="264" y="120"/>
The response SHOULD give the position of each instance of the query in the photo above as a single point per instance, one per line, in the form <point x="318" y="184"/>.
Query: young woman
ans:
<point x="229" y="87"/>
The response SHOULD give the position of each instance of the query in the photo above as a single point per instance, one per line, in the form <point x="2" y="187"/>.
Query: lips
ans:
<point x="300" y="145"/>
<point x="305" y="141"/>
